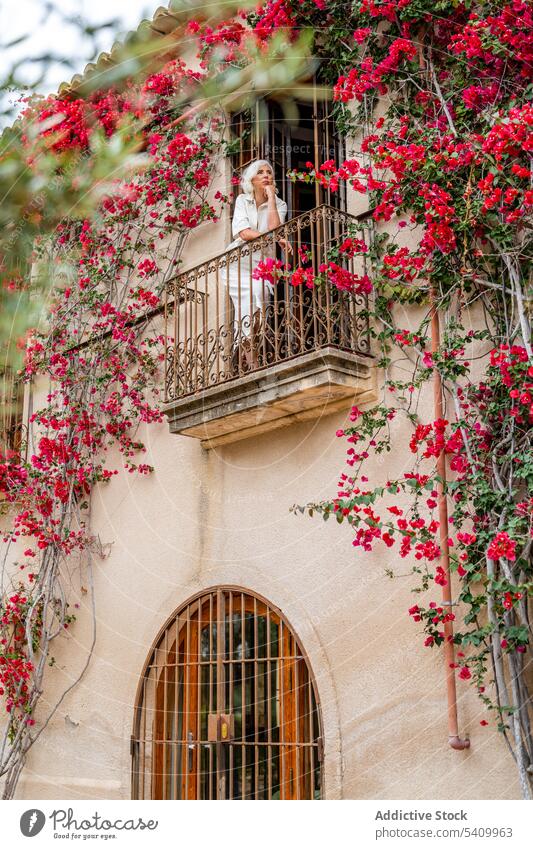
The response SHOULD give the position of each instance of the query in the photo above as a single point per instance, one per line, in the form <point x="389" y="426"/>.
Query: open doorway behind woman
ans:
<point x="290" y="139"/>
<point x="307" y="134"/>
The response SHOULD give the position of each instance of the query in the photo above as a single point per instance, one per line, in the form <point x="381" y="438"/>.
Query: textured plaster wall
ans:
<point x="222" y="517"/>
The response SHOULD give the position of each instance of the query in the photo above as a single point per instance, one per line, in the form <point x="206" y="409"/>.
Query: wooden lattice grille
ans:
<point x="227" y="707"/>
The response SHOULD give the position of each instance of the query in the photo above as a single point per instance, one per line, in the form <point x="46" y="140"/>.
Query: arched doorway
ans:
<point x="227" y="707"/>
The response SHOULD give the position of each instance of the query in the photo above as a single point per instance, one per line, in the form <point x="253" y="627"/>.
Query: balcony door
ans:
<point x="308" y="134"/>
<point x="227" y="707"/>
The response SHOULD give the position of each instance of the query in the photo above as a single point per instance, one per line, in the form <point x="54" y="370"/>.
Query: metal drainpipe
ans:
<point x="454" y="740"/>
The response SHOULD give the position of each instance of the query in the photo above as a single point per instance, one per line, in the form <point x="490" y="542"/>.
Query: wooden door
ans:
<point x="229" y="654"/>
<point x="176" y="719"/>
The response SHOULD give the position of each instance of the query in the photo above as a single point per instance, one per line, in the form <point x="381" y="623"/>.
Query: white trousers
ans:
<point x="247" y="294"/>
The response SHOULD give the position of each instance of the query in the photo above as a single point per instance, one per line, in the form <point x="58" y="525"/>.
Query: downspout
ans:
<point x="454" y="740"/>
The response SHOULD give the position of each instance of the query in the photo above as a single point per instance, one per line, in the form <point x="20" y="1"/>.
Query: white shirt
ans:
<point x="248" y="214"/>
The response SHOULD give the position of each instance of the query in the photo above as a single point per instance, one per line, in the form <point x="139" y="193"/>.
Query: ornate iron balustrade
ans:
<point x="221" y="323"/>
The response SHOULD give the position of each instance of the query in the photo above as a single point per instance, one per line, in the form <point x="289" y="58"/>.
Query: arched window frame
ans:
<point x="299" y="760"/>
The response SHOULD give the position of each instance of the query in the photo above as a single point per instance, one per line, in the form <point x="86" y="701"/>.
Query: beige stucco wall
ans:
<point x="221" y="516"/>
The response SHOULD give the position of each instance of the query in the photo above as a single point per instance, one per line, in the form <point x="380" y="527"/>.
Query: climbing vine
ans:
<point x="99" y="368"/>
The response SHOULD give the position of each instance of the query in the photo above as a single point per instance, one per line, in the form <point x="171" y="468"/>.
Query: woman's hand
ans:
<point x="270" y="191"/>
<point x="286" y="245"/>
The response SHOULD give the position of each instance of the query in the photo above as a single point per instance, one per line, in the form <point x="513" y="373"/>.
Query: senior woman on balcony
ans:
<point x="257" y="210"/>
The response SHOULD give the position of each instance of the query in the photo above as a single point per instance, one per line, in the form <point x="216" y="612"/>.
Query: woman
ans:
<point x="257" y="210"/>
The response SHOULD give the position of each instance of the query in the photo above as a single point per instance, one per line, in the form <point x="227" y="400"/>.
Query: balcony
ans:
<point x="245" y="356"/>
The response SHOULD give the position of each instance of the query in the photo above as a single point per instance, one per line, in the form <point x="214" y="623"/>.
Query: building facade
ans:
<point x="243" y="651"/>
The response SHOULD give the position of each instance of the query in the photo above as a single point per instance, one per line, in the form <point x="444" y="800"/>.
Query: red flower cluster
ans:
<point x="302" y="277"/>
<point x="274" y="16"/>
<point x="15" y="668"/>
<point x="368" y="76"/>
<point x="345" y="280"/>
<point x="181" y="149"/>
<point x="516" y="374"/>
<point x="269" y="270"/>
<point x="498" y="43"/>
<point x="502" y="546"/>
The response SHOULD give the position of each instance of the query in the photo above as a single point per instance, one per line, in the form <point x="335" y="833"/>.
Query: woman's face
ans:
<point x="264" y="177"/>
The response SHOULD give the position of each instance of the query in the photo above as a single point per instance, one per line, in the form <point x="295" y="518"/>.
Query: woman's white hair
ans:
<point x="249" y="173"/>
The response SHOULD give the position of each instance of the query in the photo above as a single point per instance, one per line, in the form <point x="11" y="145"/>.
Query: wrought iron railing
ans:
<point x="222" y="323"/>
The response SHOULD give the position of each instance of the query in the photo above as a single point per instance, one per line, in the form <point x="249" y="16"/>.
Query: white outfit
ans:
<point x="248" y="215"/>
